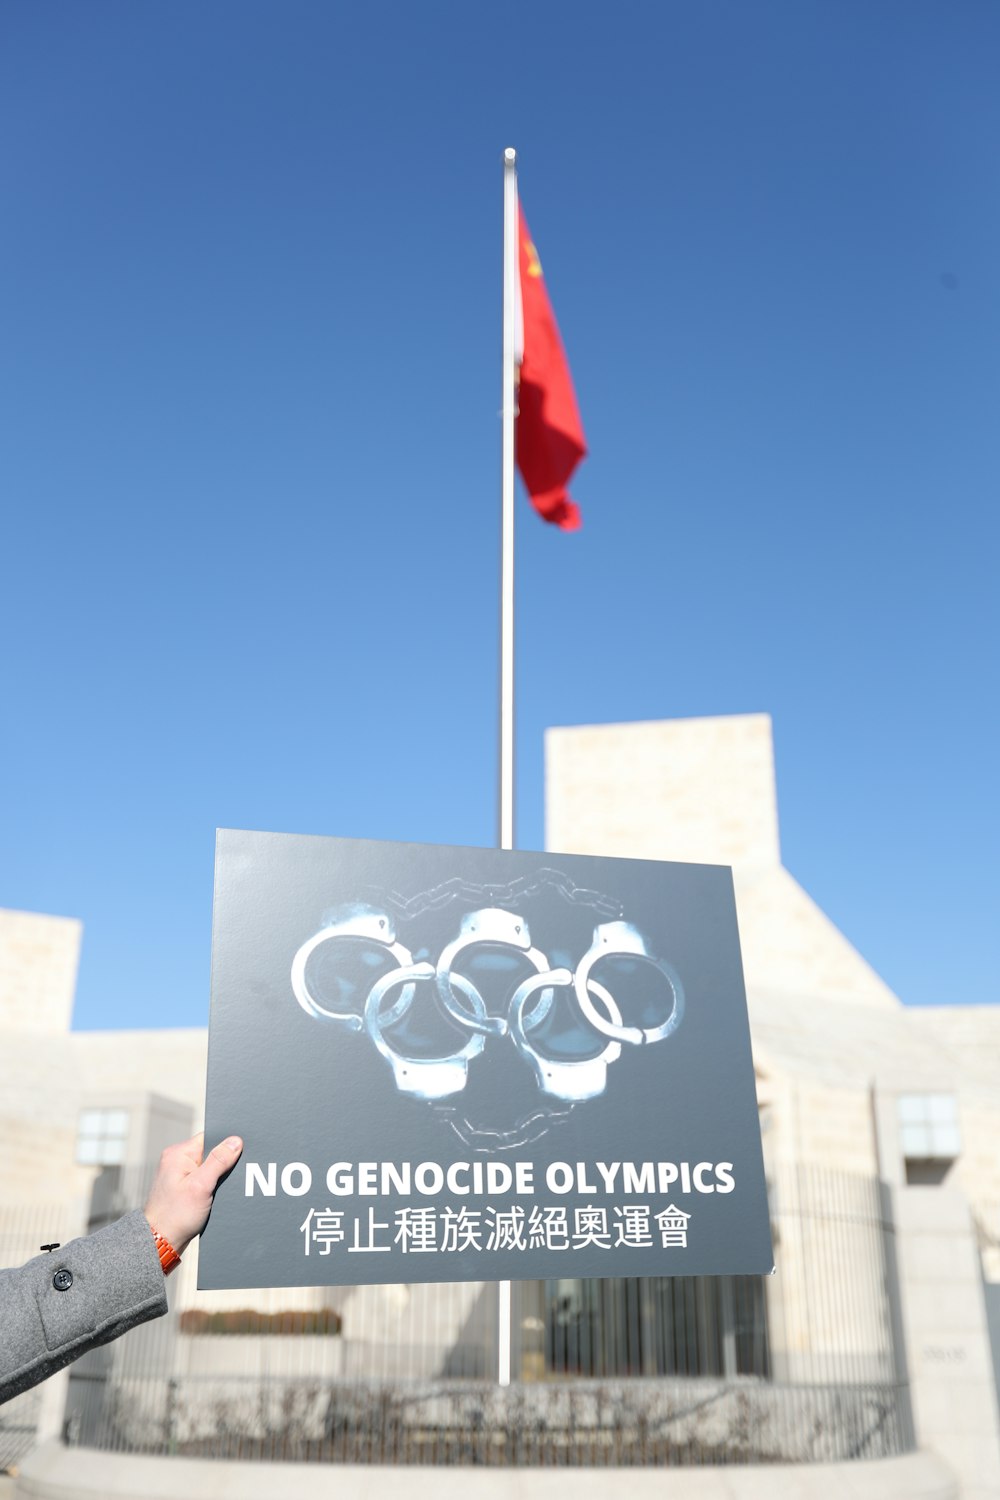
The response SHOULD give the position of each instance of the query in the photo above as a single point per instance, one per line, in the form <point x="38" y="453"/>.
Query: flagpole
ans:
<point x="511" y="338"/>
<point x="510" y="300"/>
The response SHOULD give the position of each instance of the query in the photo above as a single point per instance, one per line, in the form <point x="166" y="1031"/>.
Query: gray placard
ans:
<point x="471" y="1064"/>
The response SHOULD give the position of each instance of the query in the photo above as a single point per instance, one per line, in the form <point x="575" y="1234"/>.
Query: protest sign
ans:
<point x="451" y="1064"/>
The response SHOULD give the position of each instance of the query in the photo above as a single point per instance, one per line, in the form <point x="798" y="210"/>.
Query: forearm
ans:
<point x="113" y="1282"/>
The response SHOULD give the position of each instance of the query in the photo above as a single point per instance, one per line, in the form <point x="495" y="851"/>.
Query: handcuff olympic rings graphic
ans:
<point x="374" y="928"/>
<point x="461" y="1005"/>
<point x="576" y="1080"/>
<point x="430" y="1078"/>
<point x="622" y="940"/>
<point x="495" y="927"/>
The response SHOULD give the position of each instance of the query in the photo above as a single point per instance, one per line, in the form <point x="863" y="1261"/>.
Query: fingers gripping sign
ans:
<point x="180" y="1198"/>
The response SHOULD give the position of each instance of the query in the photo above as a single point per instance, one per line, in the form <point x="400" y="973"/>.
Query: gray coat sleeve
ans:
<point x="109" y="1282"/>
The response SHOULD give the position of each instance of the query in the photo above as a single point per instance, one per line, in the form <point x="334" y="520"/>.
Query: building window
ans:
<point x="928" y="1136"/>
<point x="101" y="1137"/>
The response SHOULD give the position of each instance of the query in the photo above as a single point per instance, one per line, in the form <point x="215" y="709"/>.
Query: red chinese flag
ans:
<point x="550" y="441"/>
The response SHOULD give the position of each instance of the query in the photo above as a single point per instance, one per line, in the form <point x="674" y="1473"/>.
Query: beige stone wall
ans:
<point x="790" y="945"/>
<point x="48" y="1080"/>
<point x="39" y="956"/>
<point x="36" y="1163"/>
<point x="966" y="1041"/>
<point x="978" y="1167"/>
<point x="969" y="1036"/>
<point x="969" y="1032"/>
<point x="948" y="1349"/>
<point x="977" y="1172"/>
<point x="807" y="1121"/>
<point x="832" y="1127"/>
<point x="170" y="1062"/>
<point x="690" y="789"/>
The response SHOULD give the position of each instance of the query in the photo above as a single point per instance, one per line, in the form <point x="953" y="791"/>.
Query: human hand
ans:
<point x="180" y="1198"/>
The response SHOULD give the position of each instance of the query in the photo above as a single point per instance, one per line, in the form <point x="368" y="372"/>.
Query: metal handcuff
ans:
<point x="425" y="1077"/>
<point x="438" y="1077"/>
<point x="622" y="940"/>
<point x="574" y="1081"/>
<point x="370" y="927"/>
<point x="490" y="925"/>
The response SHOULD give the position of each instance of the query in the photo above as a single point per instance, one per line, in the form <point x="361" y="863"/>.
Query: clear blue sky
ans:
<point x="249" y="384"/>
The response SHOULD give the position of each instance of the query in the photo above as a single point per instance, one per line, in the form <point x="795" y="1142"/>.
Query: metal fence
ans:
<point x="802" y="1366"/>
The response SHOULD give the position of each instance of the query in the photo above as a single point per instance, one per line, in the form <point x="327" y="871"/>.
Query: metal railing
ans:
<point x="802" y="1366"/>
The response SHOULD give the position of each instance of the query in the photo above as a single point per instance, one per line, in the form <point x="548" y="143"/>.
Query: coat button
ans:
<point x="62" y="1281"/>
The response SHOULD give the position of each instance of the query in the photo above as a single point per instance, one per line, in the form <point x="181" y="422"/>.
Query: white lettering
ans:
<point x="296" y="1169"/>
<point x="724" y="1176"/>
<point x="666" y="1173"/>
<point x="499" y="1177"/>
<point x="393" y="1178"/>
<point x="699" y="1173"/>
<point x="255" y="1178"/>
<point x="559" y="1177"/>
<point x="340" y="1180"/>
<point x="638" y="1180"/>
<point x="428" y="1178"/>
<point x="453" y="1183"/>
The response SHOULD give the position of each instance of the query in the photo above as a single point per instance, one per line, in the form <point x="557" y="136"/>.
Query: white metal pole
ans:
<point x="511" y="339"/>
<point x="511" y="308"/>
